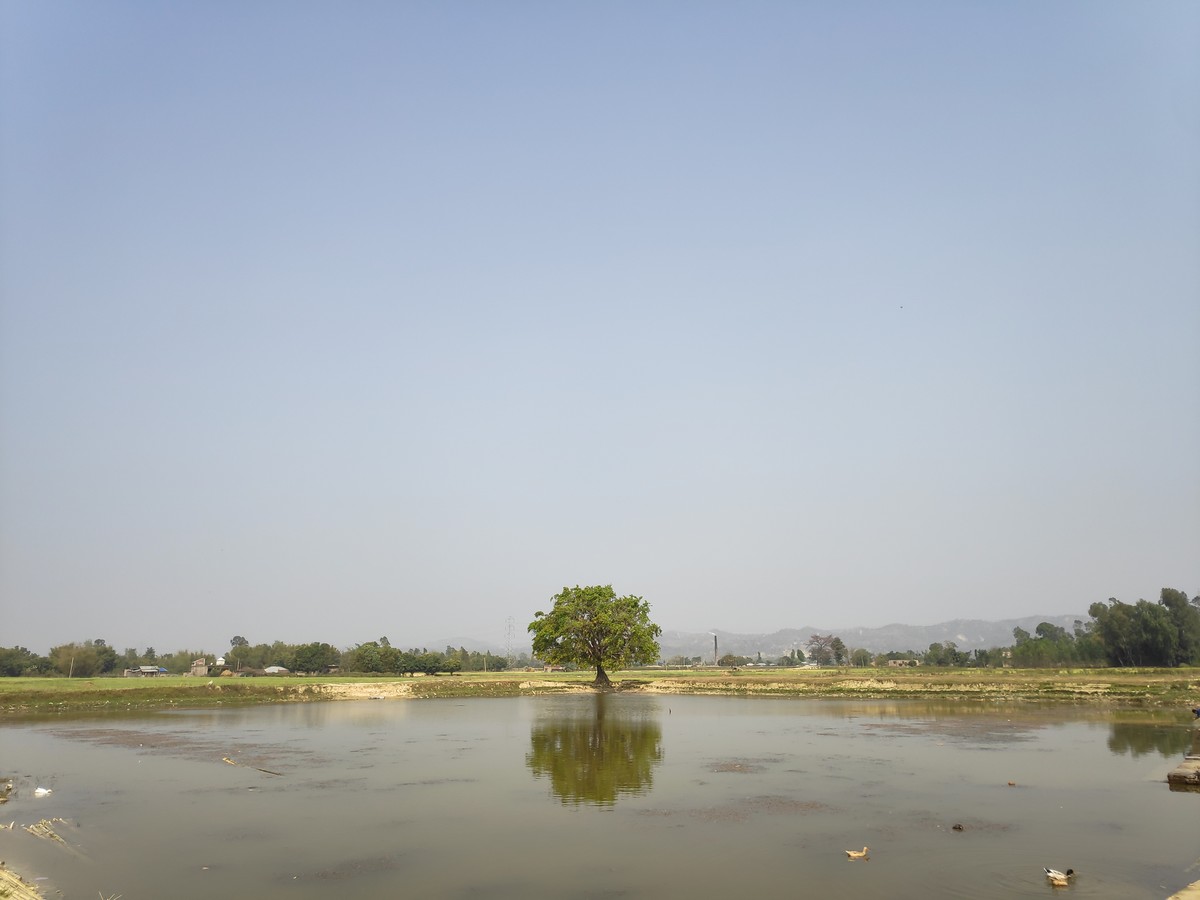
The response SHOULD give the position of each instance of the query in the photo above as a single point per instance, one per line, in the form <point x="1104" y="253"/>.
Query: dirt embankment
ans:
<point x="381" y="690"/>
<point x="14" y="887"/>
<point x="1123" y="687"/>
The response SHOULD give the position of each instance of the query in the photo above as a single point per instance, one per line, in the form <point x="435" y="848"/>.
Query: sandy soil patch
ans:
<point x="868" y="684"/>
<point x="382" y="690"/>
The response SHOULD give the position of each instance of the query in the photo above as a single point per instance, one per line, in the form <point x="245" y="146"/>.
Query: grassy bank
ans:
<point x="1127" y="687"/>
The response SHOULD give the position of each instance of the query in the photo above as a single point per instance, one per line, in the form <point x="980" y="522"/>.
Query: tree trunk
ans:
<point x="601" y="678"/>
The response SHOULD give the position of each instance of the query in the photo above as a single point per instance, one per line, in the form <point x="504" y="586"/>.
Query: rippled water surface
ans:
<point x="588" y="796"/>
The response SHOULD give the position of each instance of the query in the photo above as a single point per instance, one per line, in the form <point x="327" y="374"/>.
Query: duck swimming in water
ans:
<point x="857" y="854"/>
<point x="1057" y="878"/>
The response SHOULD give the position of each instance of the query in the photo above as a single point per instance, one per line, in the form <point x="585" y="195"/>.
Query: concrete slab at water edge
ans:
<point x="1186" y="775"/>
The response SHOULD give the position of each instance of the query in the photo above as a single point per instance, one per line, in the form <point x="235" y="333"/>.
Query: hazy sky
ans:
<point x="327" y="321"/>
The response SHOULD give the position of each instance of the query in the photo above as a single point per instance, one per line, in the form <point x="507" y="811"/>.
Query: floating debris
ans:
<point x="45" y="829"/>
<point x="234" y="762"/>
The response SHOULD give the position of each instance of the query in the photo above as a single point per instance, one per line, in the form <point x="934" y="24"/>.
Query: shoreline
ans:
<point x="1126" y="688"/>
<point x="14" y="887"/>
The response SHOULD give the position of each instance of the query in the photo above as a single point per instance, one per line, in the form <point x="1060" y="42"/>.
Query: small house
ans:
<point x="145" y="672"/>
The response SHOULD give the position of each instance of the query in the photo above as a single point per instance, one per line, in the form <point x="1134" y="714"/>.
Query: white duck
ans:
<point x="1057" y="878"/>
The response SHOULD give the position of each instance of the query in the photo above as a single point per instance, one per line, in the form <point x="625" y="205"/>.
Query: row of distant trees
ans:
<point x="1165" y="633"/>
<point x="380" y="657"/>
<point x="86" y="659"/>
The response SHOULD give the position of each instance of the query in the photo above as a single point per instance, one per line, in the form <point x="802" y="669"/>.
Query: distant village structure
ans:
<point x="145" y="672"/>
<point x="203" y="668"/>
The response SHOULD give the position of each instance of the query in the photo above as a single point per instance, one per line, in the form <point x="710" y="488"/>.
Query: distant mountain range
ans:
<point x="967" y="634"/>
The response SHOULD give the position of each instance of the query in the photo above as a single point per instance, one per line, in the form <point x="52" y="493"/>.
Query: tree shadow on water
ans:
<point x="595" y="755"/>
<point x="1139" y="739"/>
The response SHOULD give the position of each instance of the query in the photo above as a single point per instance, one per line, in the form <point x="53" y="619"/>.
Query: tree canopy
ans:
<point x="1166" y="633"/>
<point x="592" y="626"/>
<point x="820" y="649"/>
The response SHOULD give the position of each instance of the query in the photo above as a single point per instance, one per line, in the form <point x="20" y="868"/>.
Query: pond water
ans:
<point x="586" y="796"/>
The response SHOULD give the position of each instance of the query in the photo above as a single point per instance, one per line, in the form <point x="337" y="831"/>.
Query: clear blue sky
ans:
<point x="327" y="321"/>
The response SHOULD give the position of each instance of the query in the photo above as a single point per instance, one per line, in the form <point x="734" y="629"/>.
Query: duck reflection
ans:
<point x="595" y="753"/>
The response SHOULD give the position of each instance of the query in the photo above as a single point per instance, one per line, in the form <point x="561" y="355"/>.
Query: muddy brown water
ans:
<point x="603" y="796"/>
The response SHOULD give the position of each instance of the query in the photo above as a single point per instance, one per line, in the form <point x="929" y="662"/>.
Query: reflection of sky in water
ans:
<point x="626" y="795"/>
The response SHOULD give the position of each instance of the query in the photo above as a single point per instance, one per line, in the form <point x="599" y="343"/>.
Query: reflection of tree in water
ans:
<point x="597" y="755"/>
<point x="1141" y="739"/>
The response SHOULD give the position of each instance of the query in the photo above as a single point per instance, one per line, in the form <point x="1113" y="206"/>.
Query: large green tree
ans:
<point x="315" y="657"/>
<point x="84" y="660"/>
<point x="1166" y="633"/>
<point x="592" y="626"/>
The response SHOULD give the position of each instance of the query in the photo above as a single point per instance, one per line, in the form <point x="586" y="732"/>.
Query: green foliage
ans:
<point x="839" y="651"/>
<point x="84" y="660"/>
<point x="940" y="654"/>
<point x="475" y="661"/>
<point x="594" y="627"/>
<point x="1050" y="645"/>
<point x="986" y="658"/>
<point x="380" y="657"/>
<point x="1166" y="633"/>
<point x="17" y="661"/>
<point x="372" y="658"/>
<point x="315" y="657"/>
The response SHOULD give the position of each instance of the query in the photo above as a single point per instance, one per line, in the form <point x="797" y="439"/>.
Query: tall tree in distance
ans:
<point x="820" y="649"/>
<point x="838" y="648"/>
<point x="236" y="643"/>
<point x="592" y="626"/>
